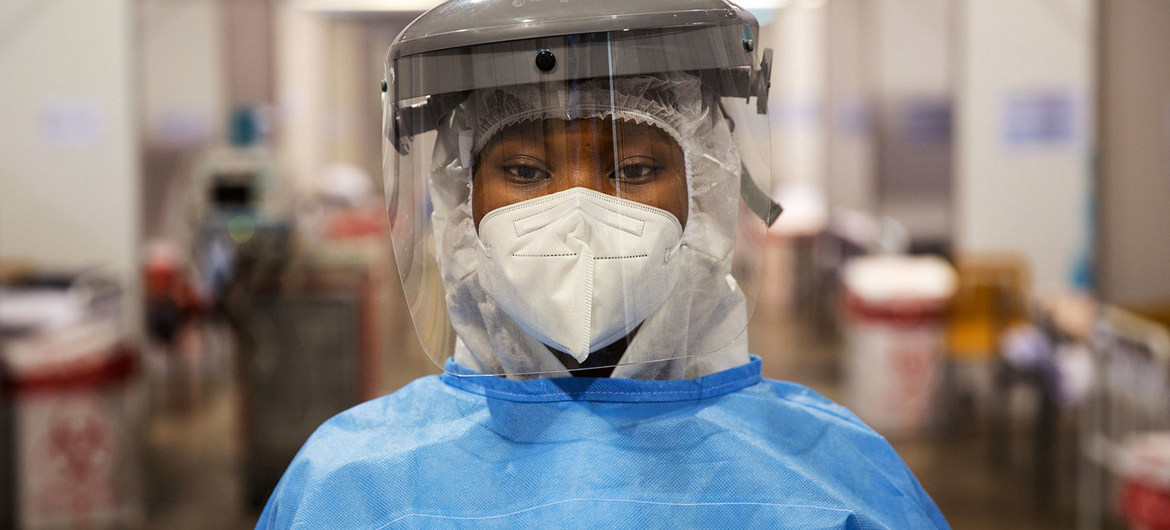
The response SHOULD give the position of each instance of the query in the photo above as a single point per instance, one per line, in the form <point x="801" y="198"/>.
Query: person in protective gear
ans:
<point x="658" y="150"/>
<point x="578" y="185"/>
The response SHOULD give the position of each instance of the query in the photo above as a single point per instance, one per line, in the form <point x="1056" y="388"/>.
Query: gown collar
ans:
<point x="603" y="389"/>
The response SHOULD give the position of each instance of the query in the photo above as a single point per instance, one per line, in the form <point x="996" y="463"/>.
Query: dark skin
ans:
<point x="636" y="162"/>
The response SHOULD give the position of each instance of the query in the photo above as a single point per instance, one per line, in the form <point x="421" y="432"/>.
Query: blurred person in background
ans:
<point x="568" y="182"/>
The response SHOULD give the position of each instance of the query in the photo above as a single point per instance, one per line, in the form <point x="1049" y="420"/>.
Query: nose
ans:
<point x="588" y="175"/>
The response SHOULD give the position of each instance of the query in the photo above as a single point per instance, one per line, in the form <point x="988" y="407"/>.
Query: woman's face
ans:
<point x="636" y="162"/>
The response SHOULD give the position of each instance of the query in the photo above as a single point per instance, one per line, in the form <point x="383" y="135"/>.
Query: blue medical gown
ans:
<point x="727" y="450"/>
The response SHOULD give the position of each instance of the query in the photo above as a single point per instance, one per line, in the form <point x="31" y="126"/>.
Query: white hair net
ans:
<point x="699" y="329"/>
<point x="673" y="103"/>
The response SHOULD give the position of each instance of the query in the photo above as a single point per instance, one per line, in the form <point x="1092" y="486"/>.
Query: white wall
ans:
<point x="1134" y="245"/>
<point x="797" y="35"/>
<point x="250" y="50"/>
<point x="911" y="49"/>
<point x="851" y="162"/>
<point x="69" y="177"/>
<point x="328" y="72"/>
<point x="302" y="94"/>
<point x="890" y="90"/>
<point x="184" y="72"/>
<point x="184" y="106"/>
<point x="1029" y="198"/>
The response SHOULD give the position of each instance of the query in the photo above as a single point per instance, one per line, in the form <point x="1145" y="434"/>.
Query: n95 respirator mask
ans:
<point x="578" y="269"/>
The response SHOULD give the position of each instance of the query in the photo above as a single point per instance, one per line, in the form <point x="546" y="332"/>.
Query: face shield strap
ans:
<point x="762" y="82"/>
<point x="759" y="202"/>
<point x="410" y="118"/>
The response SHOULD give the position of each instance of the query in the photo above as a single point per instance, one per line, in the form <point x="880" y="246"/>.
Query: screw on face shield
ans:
<point x="545" y="60"/>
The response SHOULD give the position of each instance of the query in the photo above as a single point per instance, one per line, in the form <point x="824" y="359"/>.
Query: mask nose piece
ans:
<point x="578" y="229"/>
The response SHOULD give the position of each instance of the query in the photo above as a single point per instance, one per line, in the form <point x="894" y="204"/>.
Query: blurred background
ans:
<point x="195" y="266"/>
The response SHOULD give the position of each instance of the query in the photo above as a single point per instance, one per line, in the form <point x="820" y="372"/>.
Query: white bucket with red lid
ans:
<point x="895" y="307"/>
<point x="1143" y="462"/>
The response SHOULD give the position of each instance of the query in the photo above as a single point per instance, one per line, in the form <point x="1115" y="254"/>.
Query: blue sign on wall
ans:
<point x="928" y="121"/>
<point x="1040" y="118"/>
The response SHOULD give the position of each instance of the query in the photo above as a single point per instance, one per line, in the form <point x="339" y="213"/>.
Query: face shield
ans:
<point x="579" y="187"/>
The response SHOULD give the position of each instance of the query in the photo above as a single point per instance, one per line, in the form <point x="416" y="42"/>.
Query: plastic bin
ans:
<point x="1145" y="473"/>
<point x="73" y="416"/>
<point x="895" y="341"/>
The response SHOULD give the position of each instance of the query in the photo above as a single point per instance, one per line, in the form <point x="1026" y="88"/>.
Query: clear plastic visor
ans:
<point x="608" y="226"/>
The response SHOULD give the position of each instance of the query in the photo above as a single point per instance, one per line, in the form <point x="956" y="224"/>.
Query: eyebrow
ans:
<point x="624" y="132"/>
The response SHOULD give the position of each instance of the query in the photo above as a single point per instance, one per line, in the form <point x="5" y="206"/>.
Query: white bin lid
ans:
<point x="1145" y="457"/>
<point x="897" y="279"/>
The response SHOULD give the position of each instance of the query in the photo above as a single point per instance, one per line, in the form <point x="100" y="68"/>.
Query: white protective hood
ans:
<point x="699" y="329"/>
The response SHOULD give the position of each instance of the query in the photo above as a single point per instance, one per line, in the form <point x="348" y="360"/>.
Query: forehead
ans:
<point x="544" y="131"/>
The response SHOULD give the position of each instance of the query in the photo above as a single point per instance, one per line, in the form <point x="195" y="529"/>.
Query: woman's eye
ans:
<point x="526" y="172"/>
<point x="636" y="172"/>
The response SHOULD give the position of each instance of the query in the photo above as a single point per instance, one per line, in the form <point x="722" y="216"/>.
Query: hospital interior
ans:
<point x="196" y="266"/>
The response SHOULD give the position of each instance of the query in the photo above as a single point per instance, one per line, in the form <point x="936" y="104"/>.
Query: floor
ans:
<point x="193" y="450"/>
